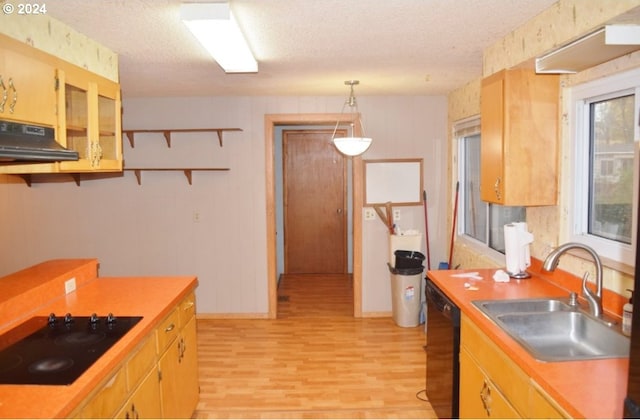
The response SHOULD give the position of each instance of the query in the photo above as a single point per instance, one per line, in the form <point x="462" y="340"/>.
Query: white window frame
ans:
<point x="577" y="222"/>
<point x="461" y="129"/>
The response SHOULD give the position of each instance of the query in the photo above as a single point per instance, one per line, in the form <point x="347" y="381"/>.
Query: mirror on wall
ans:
<point x="395" y="181"/>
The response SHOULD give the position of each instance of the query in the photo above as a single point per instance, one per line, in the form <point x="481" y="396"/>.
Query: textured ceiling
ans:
<point x="304" y="47"/>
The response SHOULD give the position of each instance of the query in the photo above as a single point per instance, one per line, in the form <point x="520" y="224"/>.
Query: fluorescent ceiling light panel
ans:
<point x="215" y="27"/>
<point x="604" y="44"/>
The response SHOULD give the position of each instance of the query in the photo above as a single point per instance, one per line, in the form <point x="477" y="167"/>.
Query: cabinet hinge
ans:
<point x="159" y="376"/>
<point x="56" y="83"/>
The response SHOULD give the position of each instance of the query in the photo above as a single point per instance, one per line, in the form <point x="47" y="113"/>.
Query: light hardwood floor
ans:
<point x="314" y="361"/>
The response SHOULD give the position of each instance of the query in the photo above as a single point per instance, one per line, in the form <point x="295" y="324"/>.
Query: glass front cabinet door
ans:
<point x="89" y="121"/>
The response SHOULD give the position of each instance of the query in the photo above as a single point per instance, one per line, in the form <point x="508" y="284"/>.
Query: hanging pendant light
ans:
<point x="351" y="146"/>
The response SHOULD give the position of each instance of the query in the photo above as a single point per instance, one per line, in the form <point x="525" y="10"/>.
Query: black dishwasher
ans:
<point x="443" y="347"/>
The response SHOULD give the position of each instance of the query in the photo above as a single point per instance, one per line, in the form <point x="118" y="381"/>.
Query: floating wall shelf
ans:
<point x="77" y="177"/>
<point x="188" y="172"/>
<point x="28" y="179"/>
<point x="167" y="133"/>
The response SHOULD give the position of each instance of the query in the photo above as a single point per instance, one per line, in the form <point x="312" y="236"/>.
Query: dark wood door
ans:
<point x="315" y="213"/>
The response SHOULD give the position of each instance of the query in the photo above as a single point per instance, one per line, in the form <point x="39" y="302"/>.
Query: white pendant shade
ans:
<point x="352" y="146"/>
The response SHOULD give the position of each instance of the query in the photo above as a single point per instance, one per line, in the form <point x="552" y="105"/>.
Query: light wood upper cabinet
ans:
<point x="89" y="121"/>
<point x="519" y="138"/>
<point x="83" y="107"/>
<point x="27" y="86"/>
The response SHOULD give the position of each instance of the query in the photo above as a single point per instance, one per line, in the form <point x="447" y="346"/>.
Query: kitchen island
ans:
<point x="135" y="364"/>
<point x="587" y="389"/>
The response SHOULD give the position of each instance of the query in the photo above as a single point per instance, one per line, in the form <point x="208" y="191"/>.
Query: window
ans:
<point x="606" y="168"/>
<point x="480" y="222"/>
<point x="605" y="159"/>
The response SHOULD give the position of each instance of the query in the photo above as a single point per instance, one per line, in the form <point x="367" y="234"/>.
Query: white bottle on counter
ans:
<point x="627" y="314"/>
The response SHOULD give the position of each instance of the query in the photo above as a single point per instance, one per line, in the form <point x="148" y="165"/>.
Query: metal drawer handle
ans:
<point x="12" y="105"/>
<point x="169" y="328"/>
<point x="5" y="94"/>
<point x="485" y="396"/>
<point x="496" y="187"/>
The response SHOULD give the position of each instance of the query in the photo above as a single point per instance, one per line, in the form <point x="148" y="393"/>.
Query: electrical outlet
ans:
<point x="70" y="285"/>
<point x="369" y="213"/>
<point x="396" y="215"/>
<point x="196" y="216"/>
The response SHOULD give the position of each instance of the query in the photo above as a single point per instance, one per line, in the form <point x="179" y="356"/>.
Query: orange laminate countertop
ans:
<point x="588" y="389"/>
<point x="149" y="297"/>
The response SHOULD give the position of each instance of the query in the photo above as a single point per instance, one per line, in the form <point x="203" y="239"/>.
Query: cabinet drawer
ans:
<point x="168" y="330"/>
<point x="505" y="374"/>
<point x="141" y="362"/>
<point x="187" y="309"/>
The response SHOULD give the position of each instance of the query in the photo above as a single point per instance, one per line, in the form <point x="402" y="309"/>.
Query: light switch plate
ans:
<point x="369" y="213"/>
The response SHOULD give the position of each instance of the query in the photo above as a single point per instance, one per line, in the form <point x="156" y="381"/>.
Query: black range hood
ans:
<point x="21" y="143"/>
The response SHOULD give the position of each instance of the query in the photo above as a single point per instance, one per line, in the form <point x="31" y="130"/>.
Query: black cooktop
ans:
<point x="57" y="350"/>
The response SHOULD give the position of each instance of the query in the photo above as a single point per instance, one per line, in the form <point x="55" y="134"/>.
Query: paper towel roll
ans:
<point x="526" y="239"/>
<point x="516" y="244"/>
<point x="511" y="251"/>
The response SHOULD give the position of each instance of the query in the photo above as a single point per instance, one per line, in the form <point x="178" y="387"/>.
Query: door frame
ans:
<point x="271" y="121"/>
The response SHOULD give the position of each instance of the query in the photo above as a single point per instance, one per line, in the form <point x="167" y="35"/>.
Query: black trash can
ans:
<point x="408" y="259"/>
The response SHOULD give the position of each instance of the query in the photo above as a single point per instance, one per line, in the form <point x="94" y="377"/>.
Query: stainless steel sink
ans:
<point x="498" y="307"/>
<point x="551" y="330"/>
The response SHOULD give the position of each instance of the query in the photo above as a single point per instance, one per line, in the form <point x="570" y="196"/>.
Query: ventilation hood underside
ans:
<point x="597" y="47"/>
<point x="21" y="143"/>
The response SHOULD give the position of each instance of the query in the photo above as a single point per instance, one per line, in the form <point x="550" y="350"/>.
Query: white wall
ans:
<point x="149" y="229"/>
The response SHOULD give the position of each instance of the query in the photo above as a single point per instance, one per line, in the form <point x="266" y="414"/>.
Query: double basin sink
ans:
<point x="551" y="330"/>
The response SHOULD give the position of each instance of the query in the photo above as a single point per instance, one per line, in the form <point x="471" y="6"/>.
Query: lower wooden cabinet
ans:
<point x="145" y="401"/>
<point x="482" y="399"/>
<point x="543" y="406"/>
<point x="494" y="386"/>
<point x="159" y="379"/>
<point x="108" y="399"/>
<point x="179" y="375"/>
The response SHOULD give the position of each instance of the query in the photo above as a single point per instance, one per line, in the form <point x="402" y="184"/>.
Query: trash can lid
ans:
<point x="405" y="271"/>
<point x="409" y="254"/>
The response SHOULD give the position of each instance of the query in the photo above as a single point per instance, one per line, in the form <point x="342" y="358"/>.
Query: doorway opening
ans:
<point x="272" y="123"/>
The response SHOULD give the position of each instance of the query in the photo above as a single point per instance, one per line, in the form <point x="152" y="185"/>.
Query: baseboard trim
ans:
<point x="266" y="316"/>
<point x="232" y="316"/>
<point x="376" y="314"/>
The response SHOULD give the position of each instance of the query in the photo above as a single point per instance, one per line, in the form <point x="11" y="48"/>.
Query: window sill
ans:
<point x="606" y="262"/>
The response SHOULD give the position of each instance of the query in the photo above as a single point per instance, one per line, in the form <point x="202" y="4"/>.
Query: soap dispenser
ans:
<point x="627" y="314"/>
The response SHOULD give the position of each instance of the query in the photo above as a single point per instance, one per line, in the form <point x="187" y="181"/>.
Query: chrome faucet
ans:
<point x="594" y="299"/>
